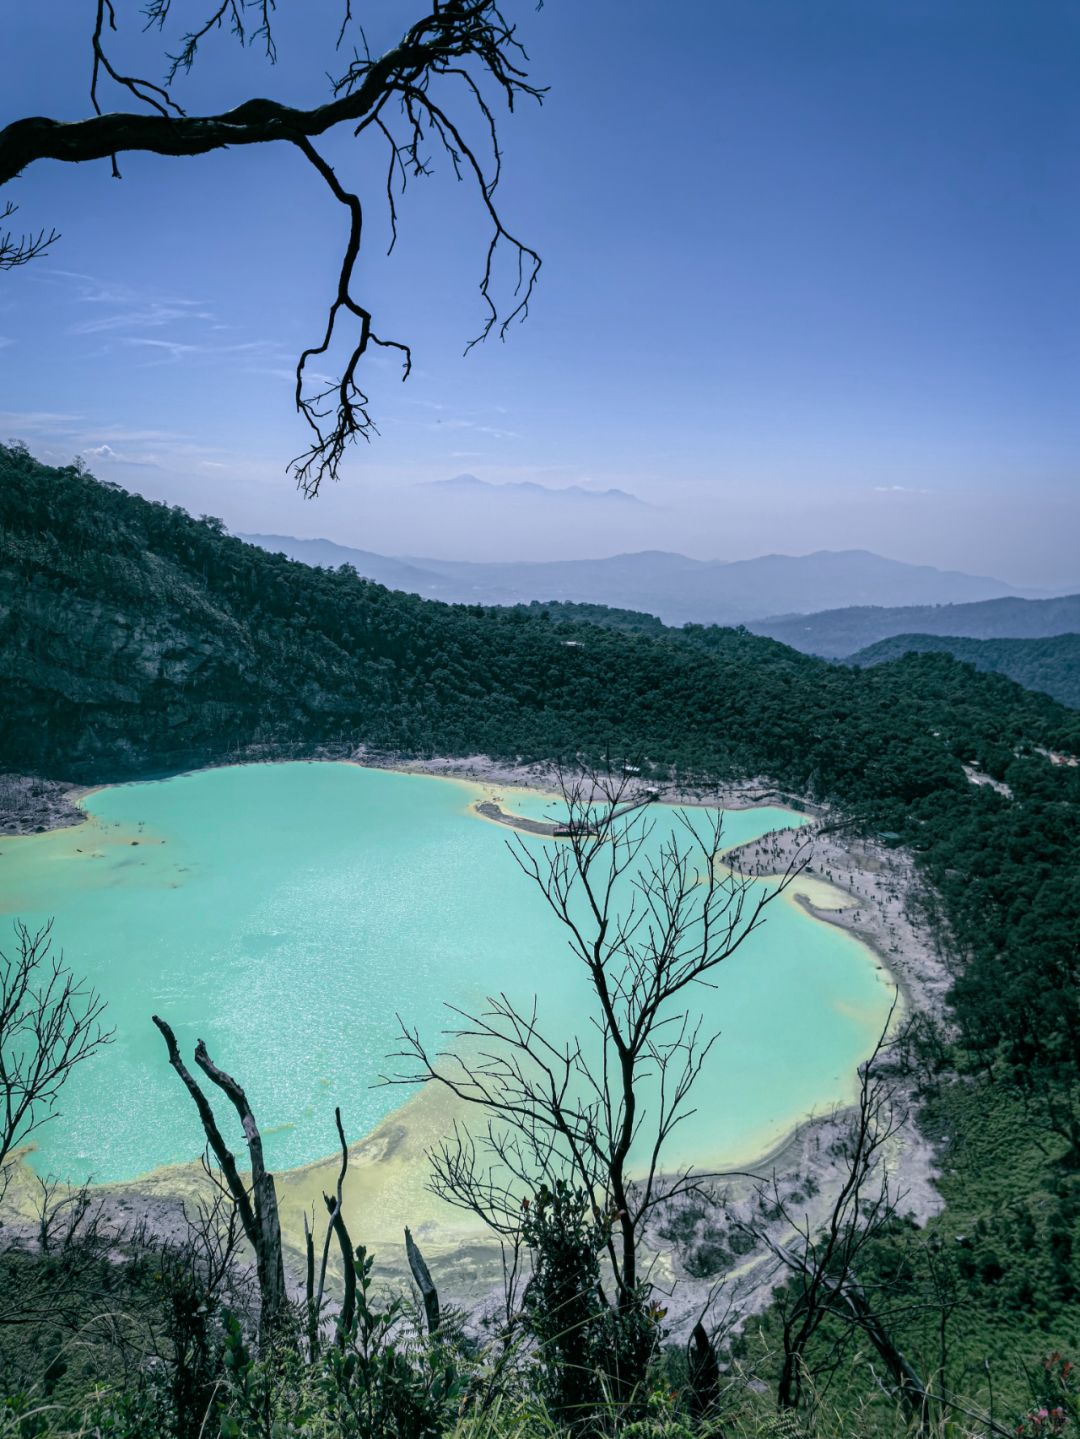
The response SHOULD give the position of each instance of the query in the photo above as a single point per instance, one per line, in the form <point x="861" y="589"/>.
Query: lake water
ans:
<point x="286" y="913"/>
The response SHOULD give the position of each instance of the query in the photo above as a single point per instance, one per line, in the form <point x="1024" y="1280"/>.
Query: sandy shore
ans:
<point x="30" y="805"/>
<point x="871" y="891"/>
<point x="864" y="888"/>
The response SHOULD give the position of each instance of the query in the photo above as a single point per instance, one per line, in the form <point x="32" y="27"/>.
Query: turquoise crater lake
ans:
<point x="287" y="912"/>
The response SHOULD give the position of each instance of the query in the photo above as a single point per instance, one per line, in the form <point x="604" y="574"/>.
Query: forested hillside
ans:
<point x="133" y="637"/>
<point x="1051" y="665"/>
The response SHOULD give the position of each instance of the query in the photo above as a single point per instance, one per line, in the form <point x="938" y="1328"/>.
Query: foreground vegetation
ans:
<point x="135" y="637"/>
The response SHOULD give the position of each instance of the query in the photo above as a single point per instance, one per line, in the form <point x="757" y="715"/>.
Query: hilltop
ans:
<point x="1051" y="665"/>
<point x="836" y="633"/>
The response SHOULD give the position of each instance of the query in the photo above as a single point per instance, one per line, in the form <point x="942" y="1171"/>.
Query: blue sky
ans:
<point x="810" y="281"/>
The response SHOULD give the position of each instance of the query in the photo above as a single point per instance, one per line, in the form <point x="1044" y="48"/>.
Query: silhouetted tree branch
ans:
<point x="467" y="47"/>
<point x="18" y="250"/>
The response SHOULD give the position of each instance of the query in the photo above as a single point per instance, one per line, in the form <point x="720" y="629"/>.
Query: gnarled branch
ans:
<point x="465" y="42"/>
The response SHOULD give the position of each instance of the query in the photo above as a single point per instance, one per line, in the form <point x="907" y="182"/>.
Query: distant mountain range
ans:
<point x="677" y="589"/>
<point x="837" y="633"/>
<point x="836" y="604"/>
<point x="469" y="485"/>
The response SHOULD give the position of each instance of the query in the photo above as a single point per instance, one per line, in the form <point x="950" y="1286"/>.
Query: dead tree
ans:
<point x="257" y="1206"/>
<point x="424" y="1282"/>
<point x="647" y="925"/>
<point x="821" y="1261"/>
<point x="49" y="1022"/>
<point x="435" y="91"/>
<point x="336" y="1226"/>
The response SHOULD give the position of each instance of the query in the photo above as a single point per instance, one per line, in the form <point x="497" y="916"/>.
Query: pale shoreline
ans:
<point x="855" y="885"/>
<point x="31" y="805"/>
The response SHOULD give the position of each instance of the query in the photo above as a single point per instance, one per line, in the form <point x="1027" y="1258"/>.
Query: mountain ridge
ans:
<point x="470" y="484"/>
<point x="675" y="587"/>
<point x="839" y="633"/>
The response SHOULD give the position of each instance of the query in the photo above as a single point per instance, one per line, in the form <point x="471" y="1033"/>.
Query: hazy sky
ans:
<point x="810" y="281"/>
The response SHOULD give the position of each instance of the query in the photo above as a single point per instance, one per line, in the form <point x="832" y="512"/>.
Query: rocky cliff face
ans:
<point x="93" y="653"/>
<point x="113" y="657"/>
<point x="101" y="682"/>
<point x="30" y="806"/>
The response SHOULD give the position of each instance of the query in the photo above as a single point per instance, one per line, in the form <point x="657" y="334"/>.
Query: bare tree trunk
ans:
<point x="258" y="1207"/>
<point x="424" y="1282"/>
<point x="310" y="1307"/>
<point x="348" y="1303"/>
<point x="909" y="1384"/>
<point x="268" y="1253"/>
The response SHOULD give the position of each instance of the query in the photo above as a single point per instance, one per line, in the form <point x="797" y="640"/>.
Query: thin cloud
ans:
<point x="462" y="424"/>
<point x="175" y="349"/>
<point x="172" y="350"/>
<point x="132" y="307"/>
<point x="58" y="435"/>
<point x="122" y="434"/>
<point x="148" y="317"/>
<point x="40" y="422"/>
<point x="900" y="490"/>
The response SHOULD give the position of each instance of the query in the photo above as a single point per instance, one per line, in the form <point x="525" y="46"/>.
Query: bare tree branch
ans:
<point x="18" y="250"/>
<point x="646" y="922"/>
<point x="463" y="45"/>
<point x="49" y="1022"/>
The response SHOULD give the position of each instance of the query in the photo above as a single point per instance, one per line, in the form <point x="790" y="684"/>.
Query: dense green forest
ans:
<point x="134" y="637"/>
<point x="1051" y="665"/>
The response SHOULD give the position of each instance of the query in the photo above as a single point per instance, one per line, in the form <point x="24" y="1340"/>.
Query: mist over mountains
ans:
<point x="675" y="588"/>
